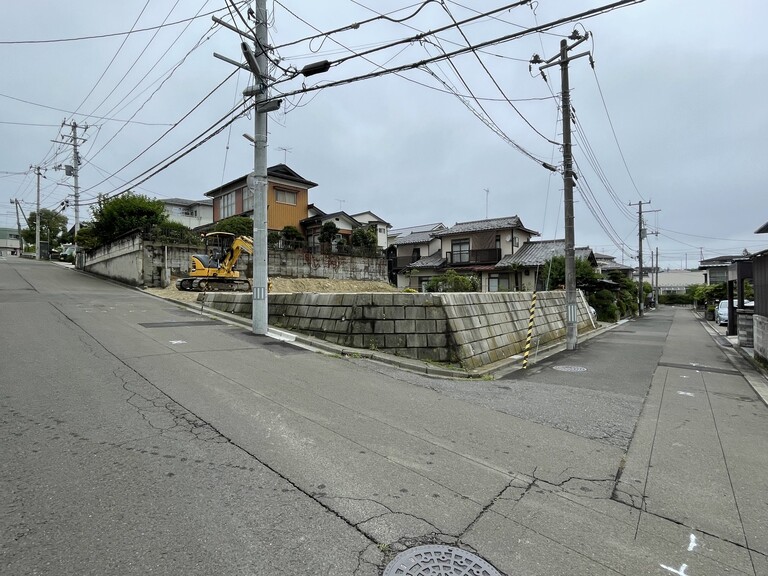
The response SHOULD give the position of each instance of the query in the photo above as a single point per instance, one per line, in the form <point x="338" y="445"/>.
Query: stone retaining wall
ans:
<point x="473" y="329"/>
<point x="761" y="338"/>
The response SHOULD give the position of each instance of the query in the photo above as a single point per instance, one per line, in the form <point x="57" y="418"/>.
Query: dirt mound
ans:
<point x="290" y="285"/>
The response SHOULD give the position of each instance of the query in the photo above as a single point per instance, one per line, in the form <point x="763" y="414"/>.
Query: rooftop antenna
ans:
<point x="340" y="201"/>
<point x="285" y="153"/>
<point x="486" y="202"/>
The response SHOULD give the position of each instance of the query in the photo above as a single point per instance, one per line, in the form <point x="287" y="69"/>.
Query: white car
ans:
<point x="721" y="312"/>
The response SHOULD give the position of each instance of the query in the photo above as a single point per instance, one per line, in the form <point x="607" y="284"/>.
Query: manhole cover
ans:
<point x="569" y="368"/>
<point x="436" y="560"/>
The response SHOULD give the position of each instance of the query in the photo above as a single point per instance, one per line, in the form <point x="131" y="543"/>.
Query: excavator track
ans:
<point x="213" y="284"/>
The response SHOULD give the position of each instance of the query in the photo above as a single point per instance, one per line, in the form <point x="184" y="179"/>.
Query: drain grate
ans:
<point x="569" y="368"/>
<point x="437" y="560"/>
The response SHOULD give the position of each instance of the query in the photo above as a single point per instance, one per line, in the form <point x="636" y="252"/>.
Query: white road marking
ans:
<point x="693" y="543"/>
<point x="178" y="341"/>
<point x="684" y="393"/>
<point x="680" y="572"/>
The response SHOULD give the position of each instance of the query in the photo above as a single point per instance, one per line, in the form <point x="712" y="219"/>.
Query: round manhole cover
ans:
<point x="436" y="560"/>
<point x="569" y="368"/>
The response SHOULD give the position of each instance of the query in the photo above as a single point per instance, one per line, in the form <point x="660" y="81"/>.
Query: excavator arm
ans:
<point x="239" y="245"/>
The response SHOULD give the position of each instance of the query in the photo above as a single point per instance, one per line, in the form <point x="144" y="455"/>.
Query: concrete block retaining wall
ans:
<point x="473" y="329"/>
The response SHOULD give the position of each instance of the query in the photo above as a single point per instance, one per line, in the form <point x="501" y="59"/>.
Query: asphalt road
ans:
<point x="141" y="437"/>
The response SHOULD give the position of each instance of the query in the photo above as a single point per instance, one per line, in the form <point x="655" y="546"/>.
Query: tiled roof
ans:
<point x="436" y="260"/>
<point x="185" y="202"/>
<point x="412" y="229"/>
<point x="611" y="265"/>
<point x="482" y="225"/>
<point x="538" y="253"/>
<point x="413" y="238"/>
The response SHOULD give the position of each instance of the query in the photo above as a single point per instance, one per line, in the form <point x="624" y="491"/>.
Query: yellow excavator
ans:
<point x="215" y="271"/>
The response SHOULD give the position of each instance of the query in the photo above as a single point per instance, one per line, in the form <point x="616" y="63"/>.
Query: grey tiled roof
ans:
<point x="185" y="202"/>
<point x="413" y="238"/>
<point x="537" y="253"/>
<point x="412" y="229"/>
<point x="436" y="260"/>
<point x="482" y="225"/>
<point x="611" y="265"/>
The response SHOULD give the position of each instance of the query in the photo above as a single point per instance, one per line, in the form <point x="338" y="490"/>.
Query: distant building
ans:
<point x="9" y="241"/>
<point x="191" y="213"/>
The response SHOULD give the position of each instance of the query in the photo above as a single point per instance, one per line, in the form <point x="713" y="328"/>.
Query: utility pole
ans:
<point x="571" y="301"/>
<point x="74" y="169"/>
<point x="640" y="237"/>
<point x="18" y="224"/>
<point x="38" y="172"/>
<point x="258" y="64"/>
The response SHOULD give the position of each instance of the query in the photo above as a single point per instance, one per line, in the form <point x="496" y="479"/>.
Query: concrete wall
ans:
<point x="761" y="338"/>
<point x="137" y="262"/>
<point x="333" y="266"/>
<point x="473" y="329"/>
<point x="121" y="260"/>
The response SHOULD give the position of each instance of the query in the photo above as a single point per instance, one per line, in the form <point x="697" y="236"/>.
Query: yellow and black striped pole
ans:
<point x="530" y="331"/>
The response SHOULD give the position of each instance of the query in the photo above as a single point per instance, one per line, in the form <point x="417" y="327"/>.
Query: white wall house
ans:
<point x="191" y="213"/>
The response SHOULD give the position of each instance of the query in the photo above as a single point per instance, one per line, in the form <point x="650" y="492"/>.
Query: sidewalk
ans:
<point x="690" y="493"/>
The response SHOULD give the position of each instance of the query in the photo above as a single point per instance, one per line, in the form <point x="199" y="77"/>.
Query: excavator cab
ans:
<point x="217" y="244"/>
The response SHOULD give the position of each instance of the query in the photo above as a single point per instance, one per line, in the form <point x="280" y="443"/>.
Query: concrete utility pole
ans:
<point x="37" y="215"/>
<point x="571" y="300"/>
<point x="641" y="234"/>
<point x="258" y="63"/>
<point x="74" y="169"/>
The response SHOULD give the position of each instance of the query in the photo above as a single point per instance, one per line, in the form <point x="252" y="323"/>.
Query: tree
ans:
<point x="124" y="213"/>
<point x="363" y="237"/>
<point x="51" y="225"/>
<point x="237" y="225"/>
<point x="452" y="281"/>
<point x="328" y="232"/>
<point x="552" y="273"/>
<point x="291" y="237"/>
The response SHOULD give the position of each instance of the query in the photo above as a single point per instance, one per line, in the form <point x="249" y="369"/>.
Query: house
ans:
<point x="607" y="264"/>
<point x="520" y="270"/>
<point x="760" y="317"/>
<point x="717" y="268"/>
<point x="472" y="248"/>
<point x="409" y="245"/>
<point x="287" y="198"/>
<point x="676" y="281"/>
<point x="191" y="213"/>
<point x="312" y="225"/>
<point x="9" y="241"/>
<point x="382" y="227"/>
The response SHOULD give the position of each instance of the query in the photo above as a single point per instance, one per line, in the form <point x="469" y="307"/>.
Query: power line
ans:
<point x="113" y="34"/>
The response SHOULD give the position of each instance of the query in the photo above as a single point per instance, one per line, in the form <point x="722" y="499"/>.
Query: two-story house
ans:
<point x="381" y="227"/>
<point x="472" y="248"/>
<point x="191" y="213"/>
<point x="287" y="198"/>
<point x="409" y="245"/>
<point x="312" y="226"/>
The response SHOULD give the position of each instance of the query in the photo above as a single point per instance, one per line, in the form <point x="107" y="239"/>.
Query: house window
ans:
<point x="285" y="196"/>
<point x="498" y="283"/>
<point x="381" y="230"/>
<point x="460" y="251"/>
<point x="515" y="241"/>
<point x="416" y="254"/>
<point x="227" y="205"/>
<point x="247" y="199"/>
<point x="498" y="242"/>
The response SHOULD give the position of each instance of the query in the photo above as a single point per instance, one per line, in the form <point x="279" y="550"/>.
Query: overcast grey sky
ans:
<point x="681" y="83"/>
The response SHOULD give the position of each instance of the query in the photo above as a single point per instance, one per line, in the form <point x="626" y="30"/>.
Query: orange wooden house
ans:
<point x="287" y="198"/>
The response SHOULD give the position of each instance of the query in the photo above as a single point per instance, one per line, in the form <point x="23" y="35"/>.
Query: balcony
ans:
<point x="403" y="261"/>
<point x="485" y="256"/>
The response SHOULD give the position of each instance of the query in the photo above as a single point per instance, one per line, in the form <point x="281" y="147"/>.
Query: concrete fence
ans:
<point x="138" y="262"/>
<point x="472" y="329"/>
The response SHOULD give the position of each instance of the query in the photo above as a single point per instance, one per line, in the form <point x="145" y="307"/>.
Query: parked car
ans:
<point x="65" y="255"/>
<point x="721" y="312"/>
